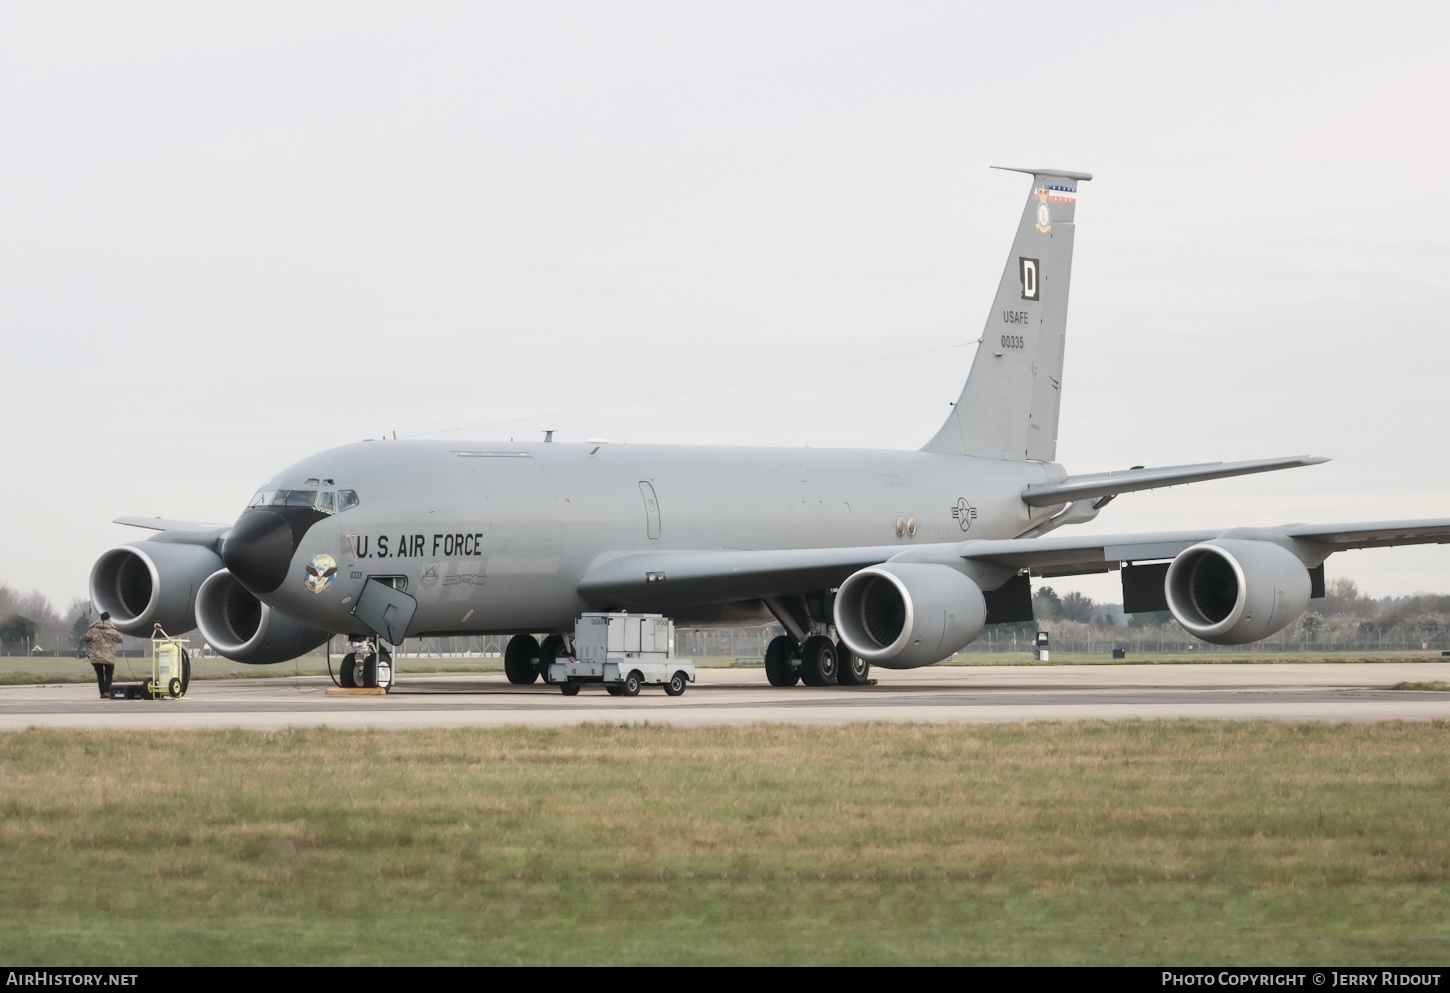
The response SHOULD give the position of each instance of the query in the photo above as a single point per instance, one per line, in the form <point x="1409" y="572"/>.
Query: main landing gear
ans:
<point x="818" y="661"/>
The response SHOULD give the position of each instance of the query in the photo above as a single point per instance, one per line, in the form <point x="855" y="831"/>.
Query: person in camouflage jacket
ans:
<point x="100" y="641"/>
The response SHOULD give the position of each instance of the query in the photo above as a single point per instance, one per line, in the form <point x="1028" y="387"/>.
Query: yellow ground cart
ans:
<point x="170" y="667"/>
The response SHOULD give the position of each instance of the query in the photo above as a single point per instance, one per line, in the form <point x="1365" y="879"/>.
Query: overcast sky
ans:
<point x="235" y="234"/>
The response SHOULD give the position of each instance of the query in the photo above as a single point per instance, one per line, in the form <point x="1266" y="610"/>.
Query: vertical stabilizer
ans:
<point x="1008" y="409"/>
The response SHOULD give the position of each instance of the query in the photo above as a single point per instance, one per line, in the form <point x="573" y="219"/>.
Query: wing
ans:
<point x="663" y="581"/>
<point x="167" y="524"/>
<point x="668" y="580"/>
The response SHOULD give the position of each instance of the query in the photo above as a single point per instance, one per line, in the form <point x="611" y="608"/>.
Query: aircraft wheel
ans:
<point x="852" y="669"/>
<point x="347" y="673"/>
<point x="818" y="661"/>
<point x="569" y="689"/>
<point x="549" y="650"/>
<point x="381" y="670"/>
<point x="779" y="667"/>
<point x="518" y="659"/>
<point x="676" y="685"/>
<point x="631" y="684"/>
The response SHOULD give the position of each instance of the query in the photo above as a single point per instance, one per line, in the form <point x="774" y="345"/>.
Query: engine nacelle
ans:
<point x="241" y="627"/>
<point x="1231" y="591"/>
<point x="148" y="582"/>
<point x="901" y="615"/>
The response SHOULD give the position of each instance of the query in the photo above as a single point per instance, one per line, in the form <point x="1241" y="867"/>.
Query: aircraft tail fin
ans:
<point x="1009" y="406"/>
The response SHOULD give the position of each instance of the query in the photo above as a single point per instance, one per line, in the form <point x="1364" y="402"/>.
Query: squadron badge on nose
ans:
<point x="321" y="571"/>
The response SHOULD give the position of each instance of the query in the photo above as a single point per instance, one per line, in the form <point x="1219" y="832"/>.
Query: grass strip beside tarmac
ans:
<point x="1144" y="843"/>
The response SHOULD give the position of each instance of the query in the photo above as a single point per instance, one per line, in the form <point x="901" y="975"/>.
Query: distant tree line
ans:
<point x="1345" y="619"/>
<point x="29" y="621"/>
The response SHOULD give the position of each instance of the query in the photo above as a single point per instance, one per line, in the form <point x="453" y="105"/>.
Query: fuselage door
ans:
<point x="387" y="611"/>
<point x="651" y="508"/>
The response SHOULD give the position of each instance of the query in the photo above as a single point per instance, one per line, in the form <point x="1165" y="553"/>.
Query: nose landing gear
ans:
<point x="368" y="666"/>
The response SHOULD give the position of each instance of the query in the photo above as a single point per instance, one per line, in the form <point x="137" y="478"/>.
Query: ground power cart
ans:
<point x="622" y="653"/>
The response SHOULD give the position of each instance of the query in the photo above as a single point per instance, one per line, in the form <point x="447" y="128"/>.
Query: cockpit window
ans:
<point x="294" y="498"/>
<point x="327" y="501"/>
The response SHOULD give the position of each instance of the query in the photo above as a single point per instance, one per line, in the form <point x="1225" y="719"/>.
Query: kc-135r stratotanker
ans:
<point x="889" y="558"/>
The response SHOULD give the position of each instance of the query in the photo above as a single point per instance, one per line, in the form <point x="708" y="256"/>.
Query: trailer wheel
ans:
<point x="570" y="688"/>
<point x="631" y="684"/>
<point x="174" y="687"/>
<point x="148" y="689"/>
<point x="676" y="685"/>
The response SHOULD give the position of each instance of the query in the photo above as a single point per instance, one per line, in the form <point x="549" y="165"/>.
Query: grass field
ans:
<point x="1068" y="843"/>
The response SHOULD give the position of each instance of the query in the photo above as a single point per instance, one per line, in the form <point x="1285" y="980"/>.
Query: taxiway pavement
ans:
<point x="1313" y="692"/>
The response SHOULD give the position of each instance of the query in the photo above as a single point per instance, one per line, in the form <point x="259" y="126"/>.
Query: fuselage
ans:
<point x="495" y="537"/>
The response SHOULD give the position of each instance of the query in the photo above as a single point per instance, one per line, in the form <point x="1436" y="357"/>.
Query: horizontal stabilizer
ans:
<point x="1100" y="484"/>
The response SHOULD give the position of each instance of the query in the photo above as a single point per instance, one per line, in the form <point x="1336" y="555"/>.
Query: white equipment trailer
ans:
<point x="622" y="652"/>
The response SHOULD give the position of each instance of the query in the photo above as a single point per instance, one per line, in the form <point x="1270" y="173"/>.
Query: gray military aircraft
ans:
<point x="888" y="558"/>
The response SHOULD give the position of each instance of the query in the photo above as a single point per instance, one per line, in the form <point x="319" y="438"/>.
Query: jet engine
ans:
<point x="901" y="615"/>
<point x="241" y="627"/>
<point x="1231" y="591"/>
<point x="148" y="582"/>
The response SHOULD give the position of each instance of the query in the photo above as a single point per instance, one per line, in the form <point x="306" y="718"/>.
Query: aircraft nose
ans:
<point x="258" y="550"/>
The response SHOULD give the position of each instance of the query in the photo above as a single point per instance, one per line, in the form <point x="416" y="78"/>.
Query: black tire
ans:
<point x="549" y="650"/>
<point x="631" y="684"/>
<point x="676" y="685"/>
<point x="569" y="689"/>
<point x="148" y="689"/>
<point x="384" y="659"/>
<point x="851" y="669"/>
<point x="519" y="663"/>
<point x="613" y="689"/>
<point x="780" y="666"/>
<point x="369" y="678"/>
<point x="173" y="687"/>
<point x="818" y="661"/>
<point x="185" y="671"/>
<point x="347" y="672"/>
